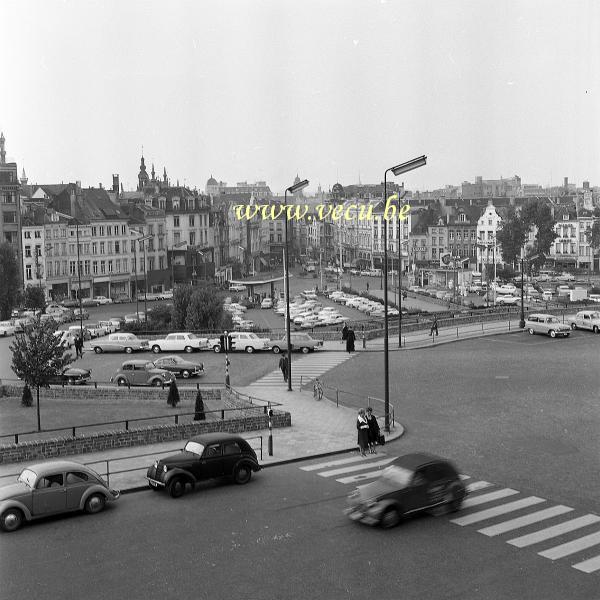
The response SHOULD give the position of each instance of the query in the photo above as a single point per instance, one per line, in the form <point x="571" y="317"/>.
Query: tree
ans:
<point x="181" y="300"/>
<point x="9" y="276"/>
<point x="199" y="414"/>
<point x="38" y="356"/>
<point x="161" y="317"/>
<point x="173" y="397"/>
<point x="593" y="237"/>
<point x="34" y="297"/>
<point x="27" y="398"/>
<point x="512" y="235"/>
<point x="205" y="310"/>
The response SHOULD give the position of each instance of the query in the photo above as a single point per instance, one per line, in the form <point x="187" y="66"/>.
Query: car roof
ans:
<point x="416" y="460"/>
<point x="213" y="438"/>
<point x="55" y="465"/>
<point x="137" y="361"/>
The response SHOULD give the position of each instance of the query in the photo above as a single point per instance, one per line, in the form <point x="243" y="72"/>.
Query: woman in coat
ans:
<point x="350" y="340"/>
<point x="363" y="432"/>
<point x="373" y="430"/>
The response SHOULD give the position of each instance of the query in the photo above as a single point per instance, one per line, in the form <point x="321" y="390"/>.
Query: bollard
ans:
<point x="457" y="332"/>
<point x="95" y="385"/>
<point x="126" y="425"/>
<point x="337" y="397"/>
<point x="364" y="340"/>
<point x="16" y="438"/>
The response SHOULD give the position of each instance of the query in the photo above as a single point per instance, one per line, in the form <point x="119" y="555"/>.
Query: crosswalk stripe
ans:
<point x="588" y="566"/>
<point x="367" y="465"/>
<point x="554" y="531"/>
<point x="568" y="548"/>
<point x="477" y="485"/>
<point x="482" y="515"/>
<point x="483" y="498"/>
<point x="339" y="461"/>
<point x="360" y="477"/>
<point x="535" y="517"/>
<point x="463" y="476"/>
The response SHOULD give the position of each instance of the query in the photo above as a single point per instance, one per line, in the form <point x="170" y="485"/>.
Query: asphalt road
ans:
<point x="283" y="536"/>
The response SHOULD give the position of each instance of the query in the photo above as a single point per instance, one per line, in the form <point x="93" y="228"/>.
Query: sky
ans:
<point x="331" y="90"/>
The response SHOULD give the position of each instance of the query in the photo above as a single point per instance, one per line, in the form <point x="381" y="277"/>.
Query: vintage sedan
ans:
<point x="51" y="488"/>
<point x="179" y="366"/>
<point x="179" y="342"/>
<point x="103" y="300"/>
<point x="72" y="376"/>
<point x="410" y="484"/>
<point x="300" y="341"/>
<point x="586" y="319"/>
<point x="120" y="342"/>
<point x="508" y="299"/>
<point x="546" y="324"/>
<point x="205" y="456"/>
<point x="142" y="372"/>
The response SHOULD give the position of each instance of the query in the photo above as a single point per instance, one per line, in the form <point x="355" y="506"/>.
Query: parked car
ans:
<point x="89" y="302"/>
<point x="586" y="319"/>
<point x="77" y="330"/>
<point x="70" y="303"/>
<point x="594" y="297"/>
<point x="179" y="342"/>
<point x="7" y="328"/>
<point x="507" y="288"/>
<point x="142" y="372"/>
<point x="103" y="300"/>
<point x="121" y="299"/>
<point x="120" y="342"/>
<point x="110" y="325"/>
<point x="96" y="330"/>
<point x="77" y="313"/>
<point x="72" y="376"/>
<point x="50" y="488"/>
<point x="237" y="288"/>
<point x="566" y="277"/>
<point x="266" y="303"/>
<point x="300" y="341"/>
<point x="166" y="295"/>
<point x="67" y="338"/>
<point x="410" y="484"/>
<point x="508" y="299"/>
<point x="206" y="456"/>
<point x="135" y="317"/>
<point x="179" y="366"/>
<point x="245" y="341"/>
<point x="546" y="324"/>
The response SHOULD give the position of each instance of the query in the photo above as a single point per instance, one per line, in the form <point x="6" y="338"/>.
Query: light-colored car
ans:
<point x="111" y="325"/>
<point x="179" y="342"/>
<point x="51" y="488"/>
<point x="300" y="341"/>
<point x="266" y="303"/>
<point x="120" y="342"/>
<point x="77" y="330"/>
<point x="7" y="328"/>
<point x="566" y="277"/>
<point x="245" y="341"/>
<point x="586" y="319"/>
<point x="508" y="299"/>
<point x="236" y="287"/>
<point x="103" y="300"/>
<point x="594" y="297"/>
<point x="507" y="288"/>
<point x="96" y="329"/>
<point x="547" y="325"/>
<point x="135" y="317"/>
<point x="67" y="338"/>
<point x="142" y="372"/>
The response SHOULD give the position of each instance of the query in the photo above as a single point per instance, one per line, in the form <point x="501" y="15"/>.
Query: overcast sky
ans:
<point x="334" y="90"/>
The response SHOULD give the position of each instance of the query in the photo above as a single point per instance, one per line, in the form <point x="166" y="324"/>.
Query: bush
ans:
<point x="199" y="414"/>
<point x="27" y="397"/>
<point x="173" y="398"/>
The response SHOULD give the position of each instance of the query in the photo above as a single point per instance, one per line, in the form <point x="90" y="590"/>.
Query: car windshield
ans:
<point x="149" y="365"/>
<point x="194" y="447"/>
<point x="552" y="320"/>
<point x="27" y="477"/>
<point x="397" y="475"/>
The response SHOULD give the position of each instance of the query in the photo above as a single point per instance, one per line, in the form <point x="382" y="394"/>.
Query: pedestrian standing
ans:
<point x="77" y="345"/>
<point x="363" y="432"/>
<point x="373" y="430"/>
<point x="283" y="365"/>
<point x="434" y="326"/>
<point x="350" y="340"/>
<point x="367" y="286"/>
<point x="345" y="332"/>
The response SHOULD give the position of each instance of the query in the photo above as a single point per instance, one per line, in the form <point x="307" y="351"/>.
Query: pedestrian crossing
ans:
<point x="306" y="367"/>
<point x="555" y="531"/>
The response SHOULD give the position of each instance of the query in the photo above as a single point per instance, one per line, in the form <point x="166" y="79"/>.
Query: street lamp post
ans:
<point x="292" y="190"/>
<point x="141" y="239"/>
<point x="400" y="244"/>
<point x="397" y="170"/>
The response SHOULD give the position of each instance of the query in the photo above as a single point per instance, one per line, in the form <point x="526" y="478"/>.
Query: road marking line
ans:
<point x="577" y="545"/>
<point x="482" y="515"/>
<point x="554" y="531"/>
<point x="483" y="498"/>
<point x="478" y="485"/>
<point x="535" y="517"/>
<point x="366" y="465"/>
<point x="588" y="566"/>
<point x="339" y="461"/>
<point x="463" y="476"/>
<point x="360" y="477"/>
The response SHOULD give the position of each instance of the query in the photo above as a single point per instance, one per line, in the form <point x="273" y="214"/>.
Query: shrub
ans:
<point x="173" y="398"/>
<point x="199" y="414"/>
<point x="27" y="397"/>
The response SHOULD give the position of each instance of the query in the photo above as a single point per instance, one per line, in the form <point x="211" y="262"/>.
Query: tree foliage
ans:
<point x="160" y="318"/>
<point x="538" y="214"/>
<point x="512" y="235"/>
<point x="205" y="310"/>
<point x="38" y="356"/>
<point x="9" y="276"/>
<point x="182" y="296"/>
<point x="173" y="397"/>
<point x="593" y="236"/>
<point x="34" y="297"/>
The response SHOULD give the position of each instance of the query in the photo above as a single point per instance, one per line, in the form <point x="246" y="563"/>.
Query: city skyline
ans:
<point x="265" y="91"/>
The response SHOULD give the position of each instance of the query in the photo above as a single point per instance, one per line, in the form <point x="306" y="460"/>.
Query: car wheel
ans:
<point x="573" y="326"/>
<point x="98" y="350"/>
<point x="176" y="487"/>
<point x="216" y="349"/>
<point x="242" y="474"/>
<point x="305" y="350"/>
<point x="276" y="350"/>
<point x="129" y="350"/>
<point x="121" y="381"/>
<point x="156" y="349"/>
<point x="531" y="331"/>
<point x="156" y="383"/>
<point x="454" y="499"/>
<point x="391" y="517"/>
<point x="552" y="333"/>
<point x="95" y="503"/>
<point x="595" y="329"/>
<point x="11" y="519"/>
<point x="189" y="349"/>
<point x="249" y="349"/>
<point x="185" y="374"/>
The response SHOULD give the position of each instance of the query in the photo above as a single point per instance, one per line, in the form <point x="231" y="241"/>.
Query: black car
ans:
<point x="72" y="376"/>
<point x="179" y="366"/>
<point x="205" y="456"/>
<point x="410" y="484"/>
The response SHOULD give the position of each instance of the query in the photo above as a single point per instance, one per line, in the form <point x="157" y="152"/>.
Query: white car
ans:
<point x="7" y="328"/>
<point x="111" y="325"/>
<point x="508" y="299"/>
<point x="237" y="288"/>
<point x="566" y="277"/>
<point x="244" y="341"/>
<point x="586" y="319"/>
<point x="179" y="342"/>
<point x="96" y="330"/>
<point x="309" y="294"/>
<point x="103" y="300"/>
<point x="594" y="297"/>
<point x="266" y="303"/>
<point x="66" y="338"/>
<point x="507" y="288"/>
<point x="135" y="317"/>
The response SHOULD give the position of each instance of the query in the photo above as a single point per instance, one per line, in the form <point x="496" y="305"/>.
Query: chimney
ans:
<point x="100" y="185"/>
<point x="78" y="184"/>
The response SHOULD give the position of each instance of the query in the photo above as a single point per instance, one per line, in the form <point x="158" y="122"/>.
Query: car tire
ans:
<point x="94" y="504"/>
<point x="185" y="374"/>
<point x="305" y="350"/>
<point x="97" y="350"/>
<point x="11" y="519"/>
<point x="176" y="487"/>
<point x="573" y="326"/>
<point x="531" y="331"/>
<point x="242" y="474"/>
<point x="156" y="349"/>
<point x="121" y="381"/>
<point x="128" y="350"/>
<point x="595" y="329"/>
<point x="216" y="349"/>
<point x="156" y="383"/>
<point x="552" y="333"/>
<point x="276" y="350"/>
<point x="391" y="517"/>
<point x="189" y="349"/>
<point x="249" y="349"/>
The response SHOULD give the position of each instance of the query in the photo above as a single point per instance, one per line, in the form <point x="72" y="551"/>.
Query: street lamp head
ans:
<point x="298" y="186"/>
<point x="410" y="165"/>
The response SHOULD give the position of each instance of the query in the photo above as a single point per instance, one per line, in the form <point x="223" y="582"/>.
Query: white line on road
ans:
<point x="554" y="531"/>
<point x="588" y="566"/>
<point x="366" y="465"/>
<point x="360" y="477"/>
<point x="483" y="498"/>
<point x="340" y="461"/>
<point x="519" y="522"/>
<point x="577" y="545"/>
<point x="482" y="515"/>
<point x="478" y="485"/>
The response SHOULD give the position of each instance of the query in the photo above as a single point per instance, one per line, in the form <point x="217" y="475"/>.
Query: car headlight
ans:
<point x="156" y="464"/>
<point x="164" y="468"/>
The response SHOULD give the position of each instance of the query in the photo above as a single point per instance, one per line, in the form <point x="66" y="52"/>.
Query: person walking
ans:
<point x="350" y="338"/>
<point x="363" y="432"/>
<point x="373" y="430"/>
<point x="434" y="326"/>
<point x="78" y="347"/>
<point x="283" y="365"/>
<point x="345" y="332"/>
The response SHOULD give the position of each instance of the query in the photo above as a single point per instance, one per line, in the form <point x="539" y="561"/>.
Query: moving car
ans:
<point x="546" y="324"/>
<point x="141" y="372"/>
<point x="179" y="366"/>
<point x="266" y="303"/>
<point x="206" y="456"/>
<point x="300" y="341"/>
<point x="508" y="299"/>
<point x="179" y="342"/>
<point x="586" y="319"/>
<point x="121" y="299"/>
<point x="50" y="488"/>
<point x="110" y="325"/>
<point x="103" y="300"/>
<point x="237" y="288"/>
<point x="72" y="376"/>
<point x="410" y="484"/>
<point x="120" y="342"/>
<point x="507" y="288"/>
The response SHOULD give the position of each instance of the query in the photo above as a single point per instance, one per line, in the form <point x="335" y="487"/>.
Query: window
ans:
<point x="94" y="248"/>
<point x="101" y="247"/>
<point x="71" y="267"/>
<point x="175" y="221"/>
<point x="10" y="217"/>
<point x="125" y="265"/>
<point x="38" y="250"/>
<point x="71" y="248"/>
<point x="452" y="235"/>
<point x="151" y="264"/>
<point x="176" y="237"/>
<point x="77" y="477"/>
<point x="192" y="220"/>
<point x="123" y="231"/>
<point x="102" y="267"/>
<point x="94" y="232"/>
<point x="50" y="481"/>
<point x="95" y="267"/>
<point x="110" y="247"/>
<point x="49" y="269"/>
<point x="160" y="230"/>
<point x="102" y="230"/>
<point x="232" y="448"/>
<point x="110" y="266"/>
<point x="38" y="234"/>
<point x="192" y="238"/>
<point x="28" y="272"/>
<point x="212" y="451"/>
<point x="160" y="243"/>
<point x="117" y="247"/>
<point x="109" y="230"/>
<point x="86" y="267"/>
<point x="27" y="251"/>
<point x="161" y="262"/>
<point x="27" y="235"/>
<point x="64" y="267"/>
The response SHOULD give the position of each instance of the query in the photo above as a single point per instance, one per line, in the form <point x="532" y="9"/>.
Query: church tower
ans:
<point x="143" y="178"/>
